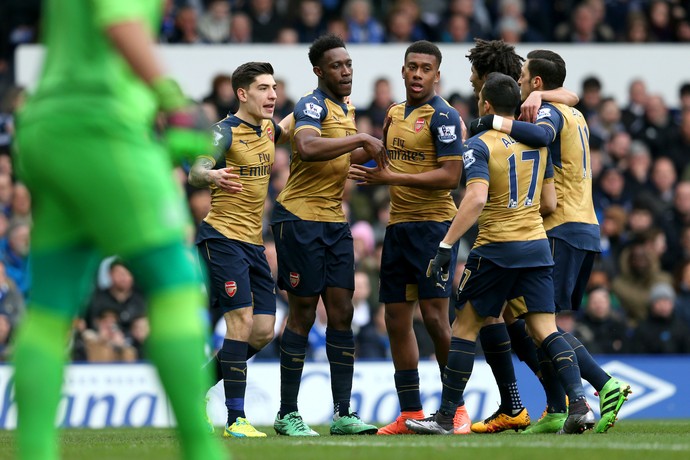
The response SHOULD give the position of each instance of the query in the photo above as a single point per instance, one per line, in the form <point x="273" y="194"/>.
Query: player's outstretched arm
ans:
<point x="446" y="177"/>
<point x="530" y="108"/>
<point x="285" y="131"/>
<point x="540" y="135"/>
<point x="312" y="147"/>
<point x="202" y="175"/>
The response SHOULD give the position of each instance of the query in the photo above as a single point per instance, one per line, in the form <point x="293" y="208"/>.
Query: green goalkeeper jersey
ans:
<point x="83" y="74"/>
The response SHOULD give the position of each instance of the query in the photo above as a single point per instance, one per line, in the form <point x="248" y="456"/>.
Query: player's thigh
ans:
<point x="301" y="257"/>
<point x="532" y="292"/>
<point x="339" y="255"/>
<point x="397" y="278"/>
<point x="262" y="284"/>
<point x="228" y="274"/>
<point x="424" y="238"/>
<point x="571" y="271"/>
<point x="117" y="186"/>
<point x="486" y="285"/>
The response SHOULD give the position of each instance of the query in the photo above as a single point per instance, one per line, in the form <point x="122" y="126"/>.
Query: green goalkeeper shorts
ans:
<point x="109" y="187"/>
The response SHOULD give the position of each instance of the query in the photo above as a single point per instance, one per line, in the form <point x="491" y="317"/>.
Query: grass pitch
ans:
<point x="628" y="440"/>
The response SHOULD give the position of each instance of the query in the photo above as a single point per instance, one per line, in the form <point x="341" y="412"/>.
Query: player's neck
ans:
<point x="244" y="115"/>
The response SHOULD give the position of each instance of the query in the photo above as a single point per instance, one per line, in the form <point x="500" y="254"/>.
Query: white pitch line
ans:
<point x="427" y="441"/>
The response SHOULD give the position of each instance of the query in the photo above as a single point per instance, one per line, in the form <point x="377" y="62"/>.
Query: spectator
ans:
<point x="662" y="331"/>
<point x="637" y="174"/>
<point x="659" y="197"/>
<point x="120" y="298"/>
<point x="6" y="192"/>
<point x="241" y="29"/>
<point x="476" y="14"/>
<point x="583" y="27"/>
<point x="611" y="190"/>
<point x="608" y="121"/>
<point x="637" y="28"/>
<point x="360" y="301"/>
<point x="186" y="27"/>
<point x="617" y="145"/>
<point x="511" y="16"/>
<point x="106" y="343"/>
<point x="660" y="23"/>
<point x="284" y="105"/>
<point x="14" y="253"/>
<point x="590" y="99"/>
<point x="660" y="131"/>
<point x="214" y="24"/>
<point x="613" y="237"/>
<point x="11" y="299"/>
<point x="633" y="114"/>
<point x="682" y="287"/>
<point x="310" y="23"/>
<point x="338" y="27"/>
<point x="457" y="30"/>
<point x="11" y="101"/>
<point x="264" y="21"/>
<point x="287" y="36"/>
<point x="5" y="337"/>
<point x="400" y="27"/>
<point x="20" y="211"/>
<point x="138" y="334"/>
<point x="681" y="149"/>
<point x="639" y="272"/>
<point x="363" y="27"/>
<point x="372" y="341"/>
<point x="383" y="98"/>
<point x="221" y="101"/>
<point x="602" y="330"/>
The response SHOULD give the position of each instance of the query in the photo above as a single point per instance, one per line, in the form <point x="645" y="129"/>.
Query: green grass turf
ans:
<point x="655" y="440"/>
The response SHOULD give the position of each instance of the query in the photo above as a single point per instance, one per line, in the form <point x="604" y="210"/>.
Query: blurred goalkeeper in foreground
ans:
<point x="101" y="185"/>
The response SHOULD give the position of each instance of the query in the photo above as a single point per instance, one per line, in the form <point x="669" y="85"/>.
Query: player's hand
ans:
<point x="481" y="124"/>
<point x="187" y="135"/>
<point x="530" y="108"/>
<point x="439" y="267"/>
<point x="223" y="179"/>
<point x="370" y="176"/>
<point x="376" y="150"/>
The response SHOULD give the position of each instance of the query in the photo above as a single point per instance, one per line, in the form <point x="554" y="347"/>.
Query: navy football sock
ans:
<point x="340" y="349"/>
<point x="293" y="350"/>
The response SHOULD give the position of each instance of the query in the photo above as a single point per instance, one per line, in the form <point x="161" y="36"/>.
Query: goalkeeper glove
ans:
<point x="439" y="267"/>
<point x="187" y="135"/>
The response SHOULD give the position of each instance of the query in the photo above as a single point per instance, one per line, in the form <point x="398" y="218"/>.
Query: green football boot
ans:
<point x="351" y="424"/>
<point x="611" y="398"/>
<point x="548" y="423"/>
<point x="292" y="425"/>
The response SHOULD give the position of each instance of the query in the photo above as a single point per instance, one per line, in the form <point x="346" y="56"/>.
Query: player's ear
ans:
<point x="317" y="71"/>
<point x="438" y="77"/>
<point x="538" y="82"/>
<point x="402" y="72"/>
<point x="242" y="94"/>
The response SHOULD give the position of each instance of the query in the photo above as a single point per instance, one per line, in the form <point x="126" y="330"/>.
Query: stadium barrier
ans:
<point x="126" y="395"/>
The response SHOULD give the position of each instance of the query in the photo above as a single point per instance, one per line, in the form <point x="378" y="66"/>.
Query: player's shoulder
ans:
<point x="443" y="111"/>
<point x="229" y="122"/>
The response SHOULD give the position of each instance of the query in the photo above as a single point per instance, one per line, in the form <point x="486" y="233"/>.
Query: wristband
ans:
<point x="168" y="94"/>
<point x="498" y="123"/>
<point x="444" y="245"/>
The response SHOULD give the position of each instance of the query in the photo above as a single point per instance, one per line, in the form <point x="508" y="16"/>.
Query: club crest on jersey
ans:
<point x="294" y="279"/>
<point x="468" y="158"/>
<point x="269" y="133"/>
<point x="312" y="110"/>
<point x="446" y="134"/>
<point x="231" y="288"/>
<point x="544" y="113"/>
<point x="418" y="125"/>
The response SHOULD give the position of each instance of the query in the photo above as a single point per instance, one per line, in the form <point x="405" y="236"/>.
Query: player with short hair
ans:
<point x="230" y="239"/>
<point x="498" y="340"/>
<point x="510" y="259"/>
<point x="424" y="143"/>
<point x="572" y="228"/>
<point x="101" y="185"/>
<point x="313" y="239"/>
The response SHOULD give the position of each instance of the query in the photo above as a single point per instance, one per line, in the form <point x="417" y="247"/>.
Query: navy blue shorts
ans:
<point x="570" y="273"/>
<point x="313" y="256"/>
<point x="408" y="249"/>
<point x="238" y="275"/>
<point x="488" y="286"/>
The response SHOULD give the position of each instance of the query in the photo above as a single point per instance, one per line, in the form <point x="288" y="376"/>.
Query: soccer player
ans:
<point x="424" y="143"/>
<point x="101" y="185"/>
<point x="496" y="339"/>
<point x="230" y="239"/>
<point x="573" y="229"/>
<point x="313" y="240"/>
<point x="504" y="182"/>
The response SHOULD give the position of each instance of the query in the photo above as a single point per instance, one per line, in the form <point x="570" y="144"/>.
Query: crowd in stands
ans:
<point x="638" y="298"/>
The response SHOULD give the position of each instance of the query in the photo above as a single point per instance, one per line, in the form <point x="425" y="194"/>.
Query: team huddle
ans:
<point x="105" y="188"/>
<point x="528" y="186"/>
